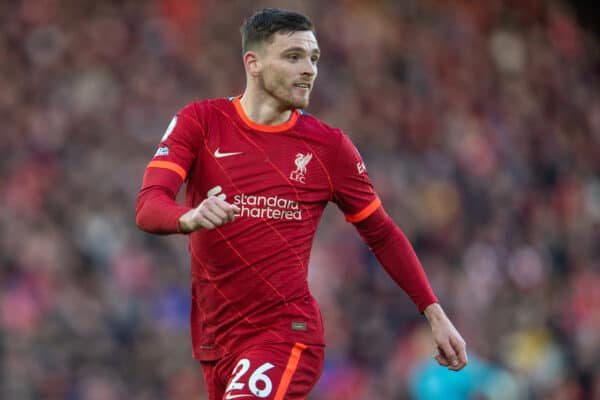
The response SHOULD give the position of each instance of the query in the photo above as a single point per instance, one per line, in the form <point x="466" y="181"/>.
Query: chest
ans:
<point x="265" y="165"/>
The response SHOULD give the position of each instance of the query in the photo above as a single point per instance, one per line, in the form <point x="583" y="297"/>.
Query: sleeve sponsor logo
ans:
<point x="162" y="151"/>
<point x="169" y="129"/>
<point x="361" y="167"/>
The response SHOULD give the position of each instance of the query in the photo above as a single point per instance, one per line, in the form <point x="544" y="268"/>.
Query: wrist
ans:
<point x="434" y="313"/>
<point x="183" y="228"/>
<point x="184" y="222"/>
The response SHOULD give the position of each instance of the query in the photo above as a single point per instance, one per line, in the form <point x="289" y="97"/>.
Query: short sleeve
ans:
<point x="353" y="191"/>
<point x="179" y="144"/>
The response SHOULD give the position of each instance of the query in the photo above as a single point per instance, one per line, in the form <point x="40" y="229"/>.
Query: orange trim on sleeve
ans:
<point x="365" y="212"/>
<point x="168" y="165"/>
<point x="264" y="128"/>
<point x="290" y="368"/>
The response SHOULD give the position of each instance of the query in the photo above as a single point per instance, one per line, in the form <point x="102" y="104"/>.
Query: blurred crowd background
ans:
<point x="479" y="122"/>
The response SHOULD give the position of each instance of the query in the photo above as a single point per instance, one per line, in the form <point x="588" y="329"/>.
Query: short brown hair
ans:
<point x="261" y="26"/>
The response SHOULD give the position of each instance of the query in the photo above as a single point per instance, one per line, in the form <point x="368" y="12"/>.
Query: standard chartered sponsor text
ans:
<point x="271" y="207"/>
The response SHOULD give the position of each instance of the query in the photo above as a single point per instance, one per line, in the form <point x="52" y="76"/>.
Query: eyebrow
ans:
<point x="301" y="49"/>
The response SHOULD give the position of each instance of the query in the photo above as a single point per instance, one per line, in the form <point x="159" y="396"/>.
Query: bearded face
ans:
<point x="289" y="68"/>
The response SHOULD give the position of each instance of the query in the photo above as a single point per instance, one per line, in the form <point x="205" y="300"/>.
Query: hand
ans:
<point x="450" y="344"/>
<point x="211" y="213"/>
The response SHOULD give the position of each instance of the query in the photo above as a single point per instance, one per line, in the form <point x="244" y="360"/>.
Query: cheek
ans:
<point x="278" y="73"/>
<point x="278" y="82"/>
<point x="272" y="78"/>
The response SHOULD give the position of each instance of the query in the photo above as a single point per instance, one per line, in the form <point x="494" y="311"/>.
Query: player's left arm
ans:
<point x="397" y="256"/>
<point x="355" y="196"/>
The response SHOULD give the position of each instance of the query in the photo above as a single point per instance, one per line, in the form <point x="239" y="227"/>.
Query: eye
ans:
<point x="293" y="57"/>
<point x="314" y="59"/>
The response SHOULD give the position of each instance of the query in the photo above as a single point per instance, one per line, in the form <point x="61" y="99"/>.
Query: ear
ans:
<point x="252" y="63"/>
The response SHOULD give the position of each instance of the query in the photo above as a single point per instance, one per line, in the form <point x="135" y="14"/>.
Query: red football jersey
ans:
<point x="249" y="277"/>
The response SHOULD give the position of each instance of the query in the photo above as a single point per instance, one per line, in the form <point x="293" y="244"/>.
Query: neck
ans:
<point x="264" y="109"/>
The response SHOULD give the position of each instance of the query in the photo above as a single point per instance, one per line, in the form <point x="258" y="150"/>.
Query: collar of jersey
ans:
<point x="260" y="127"/>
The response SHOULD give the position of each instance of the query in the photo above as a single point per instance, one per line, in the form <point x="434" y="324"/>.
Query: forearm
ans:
<point x="397" y="256"/>
<point x="157" y="212"/>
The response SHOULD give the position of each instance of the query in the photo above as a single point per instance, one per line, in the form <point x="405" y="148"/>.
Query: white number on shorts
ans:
<point x="257" y="376"/>
<point x="242" y="367"/>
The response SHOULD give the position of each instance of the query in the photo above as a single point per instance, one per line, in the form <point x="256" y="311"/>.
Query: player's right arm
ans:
<point x="156" y="208"/>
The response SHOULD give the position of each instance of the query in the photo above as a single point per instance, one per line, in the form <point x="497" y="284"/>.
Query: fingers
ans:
<point x="234" y="212"/>
<point x="441" y="359"/>
<point x="452" y="354"/>
<point x="448" y="356"/>
<point x="214" y="212"/>
<point x="230" y="210"/>
<point x="217" y="215"/>
<point x="461" y="352"/>
<point x="210" y="219"/>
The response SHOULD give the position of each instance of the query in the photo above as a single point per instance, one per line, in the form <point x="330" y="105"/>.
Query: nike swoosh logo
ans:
<point x="218" y="154"/>
<point x="235" y="396"/>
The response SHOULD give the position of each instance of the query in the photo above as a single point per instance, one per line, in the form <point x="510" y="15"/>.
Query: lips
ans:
<point x="303" y="85"/>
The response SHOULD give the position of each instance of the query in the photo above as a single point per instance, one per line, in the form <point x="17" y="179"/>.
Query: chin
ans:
<point x="299" y="103"/>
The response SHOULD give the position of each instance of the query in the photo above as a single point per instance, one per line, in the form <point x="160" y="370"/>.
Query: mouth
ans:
<point x="303" y="85"/>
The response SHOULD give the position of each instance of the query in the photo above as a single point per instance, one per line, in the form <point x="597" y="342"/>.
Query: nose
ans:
<point x="309" y="68"/>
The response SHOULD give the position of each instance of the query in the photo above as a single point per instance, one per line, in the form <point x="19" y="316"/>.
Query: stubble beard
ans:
<point x="277" y="89"/>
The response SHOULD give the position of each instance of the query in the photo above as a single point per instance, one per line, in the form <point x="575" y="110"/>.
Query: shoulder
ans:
<point x="330" y="137"/>
<point x="310" y="124"/>
<point x="201" y="108"/>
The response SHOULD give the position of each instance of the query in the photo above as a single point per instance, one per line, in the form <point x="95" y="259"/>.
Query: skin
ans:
<point x="275" y="73"/>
